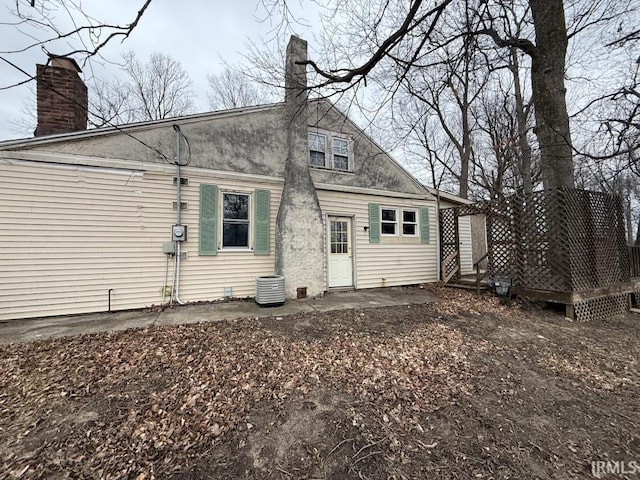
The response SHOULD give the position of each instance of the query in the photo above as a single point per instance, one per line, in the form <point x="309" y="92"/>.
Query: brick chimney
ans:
<point x="62" y="97"/>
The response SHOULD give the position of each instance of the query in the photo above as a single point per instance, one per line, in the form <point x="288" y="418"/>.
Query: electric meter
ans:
<point x="179" y="233"/>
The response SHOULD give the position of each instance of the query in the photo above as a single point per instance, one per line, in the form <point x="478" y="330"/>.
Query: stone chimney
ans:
<point x="62" y="97"/>
<point x="299" y="228"/>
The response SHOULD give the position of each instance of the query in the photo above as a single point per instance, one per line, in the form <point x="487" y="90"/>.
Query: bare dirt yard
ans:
<point x="465" y="388"/>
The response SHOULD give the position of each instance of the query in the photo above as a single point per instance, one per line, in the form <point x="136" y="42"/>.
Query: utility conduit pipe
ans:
<point x="176" y="277"/>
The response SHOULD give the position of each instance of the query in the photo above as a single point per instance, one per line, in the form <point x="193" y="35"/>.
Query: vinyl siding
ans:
<point x="394" y="261"/>
<point x="69" y="234"/>
<point x="465" y="243"/>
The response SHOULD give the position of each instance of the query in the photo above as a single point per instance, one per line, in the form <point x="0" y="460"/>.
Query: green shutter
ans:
<point x="261" y="223"/>
<point x="424" y="225"/>
<point x="208" y="221"/>
<point x="374" y="223"/>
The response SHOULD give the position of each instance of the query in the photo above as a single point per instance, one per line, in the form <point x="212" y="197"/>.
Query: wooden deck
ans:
<point x="570" y="299"/>
<point x="580" y="296"/>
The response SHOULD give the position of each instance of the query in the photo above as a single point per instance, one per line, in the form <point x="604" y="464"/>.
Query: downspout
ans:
<point x="176" y="275"/>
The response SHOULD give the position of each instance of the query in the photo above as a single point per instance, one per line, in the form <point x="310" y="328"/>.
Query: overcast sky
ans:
<point x="200" y="34"/>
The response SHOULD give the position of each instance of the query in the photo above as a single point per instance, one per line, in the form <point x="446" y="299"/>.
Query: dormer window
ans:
<point x="317" y="150"/>
<point x="330" y="151"/>
<point x="340" y="153"/>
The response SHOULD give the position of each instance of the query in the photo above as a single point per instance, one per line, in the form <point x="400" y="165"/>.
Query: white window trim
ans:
<point x="221" y="223"/>
<point x="333" y="154"/>
<point x="327" y="149"/>
<point x="329" y="163"/>
<point x="416" y="223"/>
<point x="400" y="222"/>
<point x="397" y="222"/>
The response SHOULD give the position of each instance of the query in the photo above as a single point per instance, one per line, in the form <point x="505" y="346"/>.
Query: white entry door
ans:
<point x="340" y="264"/>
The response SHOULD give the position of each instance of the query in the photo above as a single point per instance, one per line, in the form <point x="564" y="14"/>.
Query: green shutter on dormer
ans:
<point x="424" y="225"/>
<point x="374" y="223"/>
<point x="208" y="220"/>
<point x="261" y="226"/>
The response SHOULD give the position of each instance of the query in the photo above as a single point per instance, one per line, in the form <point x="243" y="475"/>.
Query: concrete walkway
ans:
<point x="39" y="328"/>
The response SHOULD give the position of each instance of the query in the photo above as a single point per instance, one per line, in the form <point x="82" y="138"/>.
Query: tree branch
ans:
<point x="520" y="43"/>
<point x="409" y="23"/>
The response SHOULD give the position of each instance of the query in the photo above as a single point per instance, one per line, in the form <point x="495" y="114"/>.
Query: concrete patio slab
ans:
<point x="12" y="331"/>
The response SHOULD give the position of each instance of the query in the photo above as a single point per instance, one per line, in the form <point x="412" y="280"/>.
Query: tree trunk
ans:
<point x="465" y="154"/>
<point x="628" y="220"/>
<point x="548" y="92"/>
<point x="638" y="234"/>
<point x="521" y="116"/>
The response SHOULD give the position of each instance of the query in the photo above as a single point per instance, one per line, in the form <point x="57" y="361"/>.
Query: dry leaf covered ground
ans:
<point x="463" y="388"/>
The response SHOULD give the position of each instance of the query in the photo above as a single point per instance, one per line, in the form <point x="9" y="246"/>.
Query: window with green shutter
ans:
<point x="208" y="220"/>
<point x="262" y="231"/>
<point x="398" y="223"/>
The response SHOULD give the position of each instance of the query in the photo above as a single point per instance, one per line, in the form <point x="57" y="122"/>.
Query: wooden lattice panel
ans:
<point x="449" y="242"/>
<point x="600" y="308"/>
<point x="540" y="239"/>
<point x="597" y="246"/>
<point x="502" y="246"/>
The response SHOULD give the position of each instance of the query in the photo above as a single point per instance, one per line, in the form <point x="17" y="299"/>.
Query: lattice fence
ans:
<point x="601" y="307"/>
<point x="557" y="240"/>
<point x="599" y="255"/>
<point x="634" y="260"/>
<point x="449" y="235"/>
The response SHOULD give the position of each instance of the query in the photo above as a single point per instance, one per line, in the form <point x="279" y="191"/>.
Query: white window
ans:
<point x="340" y="153"/>
<point x="329" y="151"/>
<point x="317" y="150"/>
<point x="389" y="221"/>
<point x="235" y="220"/>
<point x="395" y="222"/>
<point x="409" y="223"/>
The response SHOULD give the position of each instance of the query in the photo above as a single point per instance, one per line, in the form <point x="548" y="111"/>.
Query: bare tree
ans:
<point x="448" y="88"/>
<point x="63" y="27"/>
<point x="157" y="89"/>
<point x="620" y="119"/>
<point x="25" y="125"/>
<point x="110" y="103"/>
<point x="613" y="177"/>
<point x="425" y="147"/>
<point x="161" y="88"/>
<point x="522" y="109"/>
<point x="233" y="89"/>
<point x="498" y="159"/>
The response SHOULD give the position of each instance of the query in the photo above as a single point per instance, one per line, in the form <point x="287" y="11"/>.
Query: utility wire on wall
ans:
<point x="182" y="136"/>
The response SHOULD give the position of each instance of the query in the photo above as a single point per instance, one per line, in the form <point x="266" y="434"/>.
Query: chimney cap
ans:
<point x="63" y="62"/>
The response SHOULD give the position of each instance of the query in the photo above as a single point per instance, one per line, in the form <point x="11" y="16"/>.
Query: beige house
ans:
<point x="293" y="188"/>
